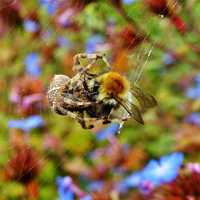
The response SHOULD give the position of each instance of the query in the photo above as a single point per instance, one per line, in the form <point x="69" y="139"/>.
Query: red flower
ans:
<point x="9" y="15"/>
<point x="129" y="38"/>
<point x="48" y="51"/>
<point x="126" y="39"/>
<point x="116" y="3"/>
<point x="185" y="187"/>
<point x="24" y="166"/>
<point x="28" y="95"/>
<point x="104" y="193"/>
<point x="178" y="23"/>
<point x="159" y="7"/>
<point x="167" y="9"/>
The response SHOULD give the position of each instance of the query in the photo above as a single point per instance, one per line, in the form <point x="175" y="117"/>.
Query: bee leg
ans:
<point x="83" y="121"/>
<point x="84" y="124"/>
<point x="106" y="120"/>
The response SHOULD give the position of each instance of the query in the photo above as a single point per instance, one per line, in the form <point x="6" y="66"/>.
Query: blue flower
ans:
<point x="50" y="5"/>
<point x="92" y="42"/>
<point x="128" y="1"/>
<point x="168" y="59"/>
<point x="64" y="188"/>
<point x="63" y="41"/>
<point x="194" y="91"/>
<point x="155" y="173"/>
<point x="31" y="26"/>
<point x="165" y="170"/>
<point x="87" y="197"/>
<point x="197" y="79"/>
<point x="27" y="124"/>
<point x="32" y="64"/>
<point x="134" y="180"/>
<point x="95" y="186"/>
<point x="194" y="118"/>
<point x="108" y="131"/>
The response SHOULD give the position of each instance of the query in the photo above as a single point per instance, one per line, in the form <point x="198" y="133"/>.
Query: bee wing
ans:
<point x="136" y="114"/>
<point x="146" y="100"/>
<point x="132" y="109"/>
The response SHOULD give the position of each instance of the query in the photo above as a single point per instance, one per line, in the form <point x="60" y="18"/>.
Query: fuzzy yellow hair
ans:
<point x="113" y="84"/>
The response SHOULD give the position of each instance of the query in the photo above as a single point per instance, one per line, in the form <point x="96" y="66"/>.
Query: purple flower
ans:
<point x="46" y="35"/>
<point x="30" y="99"/>
<point x="92" y="42"/>
<point x="50" y="5"/>
<point x="194" y="118"/>
<point x="193" y="167"/>
<point x="32" y="64"/>
<point x="14" y="96"/>
<point x="27" y="124"/>
<point x="64" y="19"/>
<point x="65" y="191"/>
<point x="31" y="26"/>
<point x="154" y="174"/>
<point x="105" y="133"/>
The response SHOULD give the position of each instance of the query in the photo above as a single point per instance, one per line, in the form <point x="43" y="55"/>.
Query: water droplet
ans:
<point x="120" y="127"/>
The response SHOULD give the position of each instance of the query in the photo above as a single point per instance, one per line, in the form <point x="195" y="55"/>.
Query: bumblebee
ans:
<point x="97" y="93"/>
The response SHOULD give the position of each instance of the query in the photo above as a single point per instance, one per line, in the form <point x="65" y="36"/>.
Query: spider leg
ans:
<point x="59" y="110"/>
<point x="75" y="103"/>
<point x="106" y="62"/>
<point x="92" y="57"/>
<point x="97" y="57"/>
<point x="77" y="116"/>
<point x="80" y="118"/>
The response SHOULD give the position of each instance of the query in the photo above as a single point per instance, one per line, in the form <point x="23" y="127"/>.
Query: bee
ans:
<point x="96" y="93"/>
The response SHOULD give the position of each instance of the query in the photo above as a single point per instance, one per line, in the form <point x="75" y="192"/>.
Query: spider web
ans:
<point x="141" y="57"/>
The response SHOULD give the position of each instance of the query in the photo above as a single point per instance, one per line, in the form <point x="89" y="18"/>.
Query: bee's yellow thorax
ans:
<point x="113" y="84"/>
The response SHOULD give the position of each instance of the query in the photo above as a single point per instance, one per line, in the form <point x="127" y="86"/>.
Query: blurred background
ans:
<point x="47" y="156"/>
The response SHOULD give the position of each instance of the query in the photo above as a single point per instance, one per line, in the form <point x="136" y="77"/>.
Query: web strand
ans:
<point x="141" y="69"/>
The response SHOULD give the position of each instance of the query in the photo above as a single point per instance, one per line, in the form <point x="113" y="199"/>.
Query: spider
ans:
<point x="96" y="93"/>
